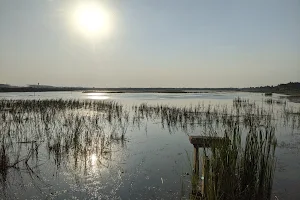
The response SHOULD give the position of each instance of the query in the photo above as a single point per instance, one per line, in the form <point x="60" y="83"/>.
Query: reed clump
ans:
<point x="242" y="171"/>
<point x="62" y="127"/>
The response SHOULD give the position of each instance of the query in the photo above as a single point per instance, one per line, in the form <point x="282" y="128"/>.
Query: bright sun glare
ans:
<point x="93" y="159"/>
<point x="92" y="19"/>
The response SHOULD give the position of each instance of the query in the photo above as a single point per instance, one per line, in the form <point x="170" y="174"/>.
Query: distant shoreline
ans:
<point x="293" y="95"/>
<point x="118" y="90"/>
<point x="146" y="90"/>
<point x="292" y="88"/>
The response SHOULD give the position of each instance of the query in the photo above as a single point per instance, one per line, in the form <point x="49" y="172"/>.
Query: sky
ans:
<point x="151" y="43"/>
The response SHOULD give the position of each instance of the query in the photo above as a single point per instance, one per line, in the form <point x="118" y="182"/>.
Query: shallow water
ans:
<point x="152" y="163"/>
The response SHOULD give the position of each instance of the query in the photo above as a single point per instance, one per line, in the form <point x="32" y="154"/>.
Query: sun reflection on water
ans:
<point x="93" y="159"/>
<point x="97" y="96"/>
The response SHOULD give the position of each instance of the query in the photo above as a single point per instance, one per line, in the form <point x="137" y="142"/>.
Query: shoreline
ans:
<point x="291" y="95"/>
<point x="117" y="90"/>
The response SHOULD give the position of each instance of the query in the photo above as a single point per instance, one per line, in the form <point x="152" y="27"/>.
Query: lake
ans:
<point x="130" y="145"/>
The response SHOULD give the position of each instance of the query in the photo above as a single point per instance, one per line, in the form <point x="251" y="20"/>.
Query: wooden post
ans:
<point x="204" y="142"/>
<point x="205" y="172"/>
<point x="195" y="177"/>
<point x="196" y="160"/>
<point x="203" y="175"/>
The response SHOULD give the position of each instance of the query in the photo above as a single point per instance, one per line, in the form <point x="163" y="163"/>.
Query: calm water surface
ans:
<point x="152" y="163"/>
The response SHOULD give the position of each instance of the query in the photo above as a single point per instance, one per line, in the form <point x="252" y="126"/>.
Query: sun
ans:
<point x="91" y="19"/>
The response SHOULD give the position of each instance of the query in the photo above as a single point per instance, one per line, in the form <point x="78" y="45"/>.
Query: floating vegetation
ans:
<point x="268" y="94"/>
<point x="275" y="101"/>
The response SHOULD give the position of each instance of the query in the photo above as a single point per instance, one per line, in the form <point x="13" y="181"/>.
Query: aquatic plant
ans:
<point x="238" y="171"/>
<point x="71" y="131"/>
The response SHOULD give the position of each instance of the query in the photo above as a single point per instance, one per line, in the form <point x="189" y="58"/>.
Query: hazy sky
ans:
<point x="153" y="43"/>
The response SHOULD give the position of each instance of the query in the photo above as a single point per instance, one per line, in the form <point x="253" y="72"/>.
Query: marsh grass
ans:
<point x="66" y="129"/>
<point x="72" y="130"/>
<point x="238" y="171"/>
